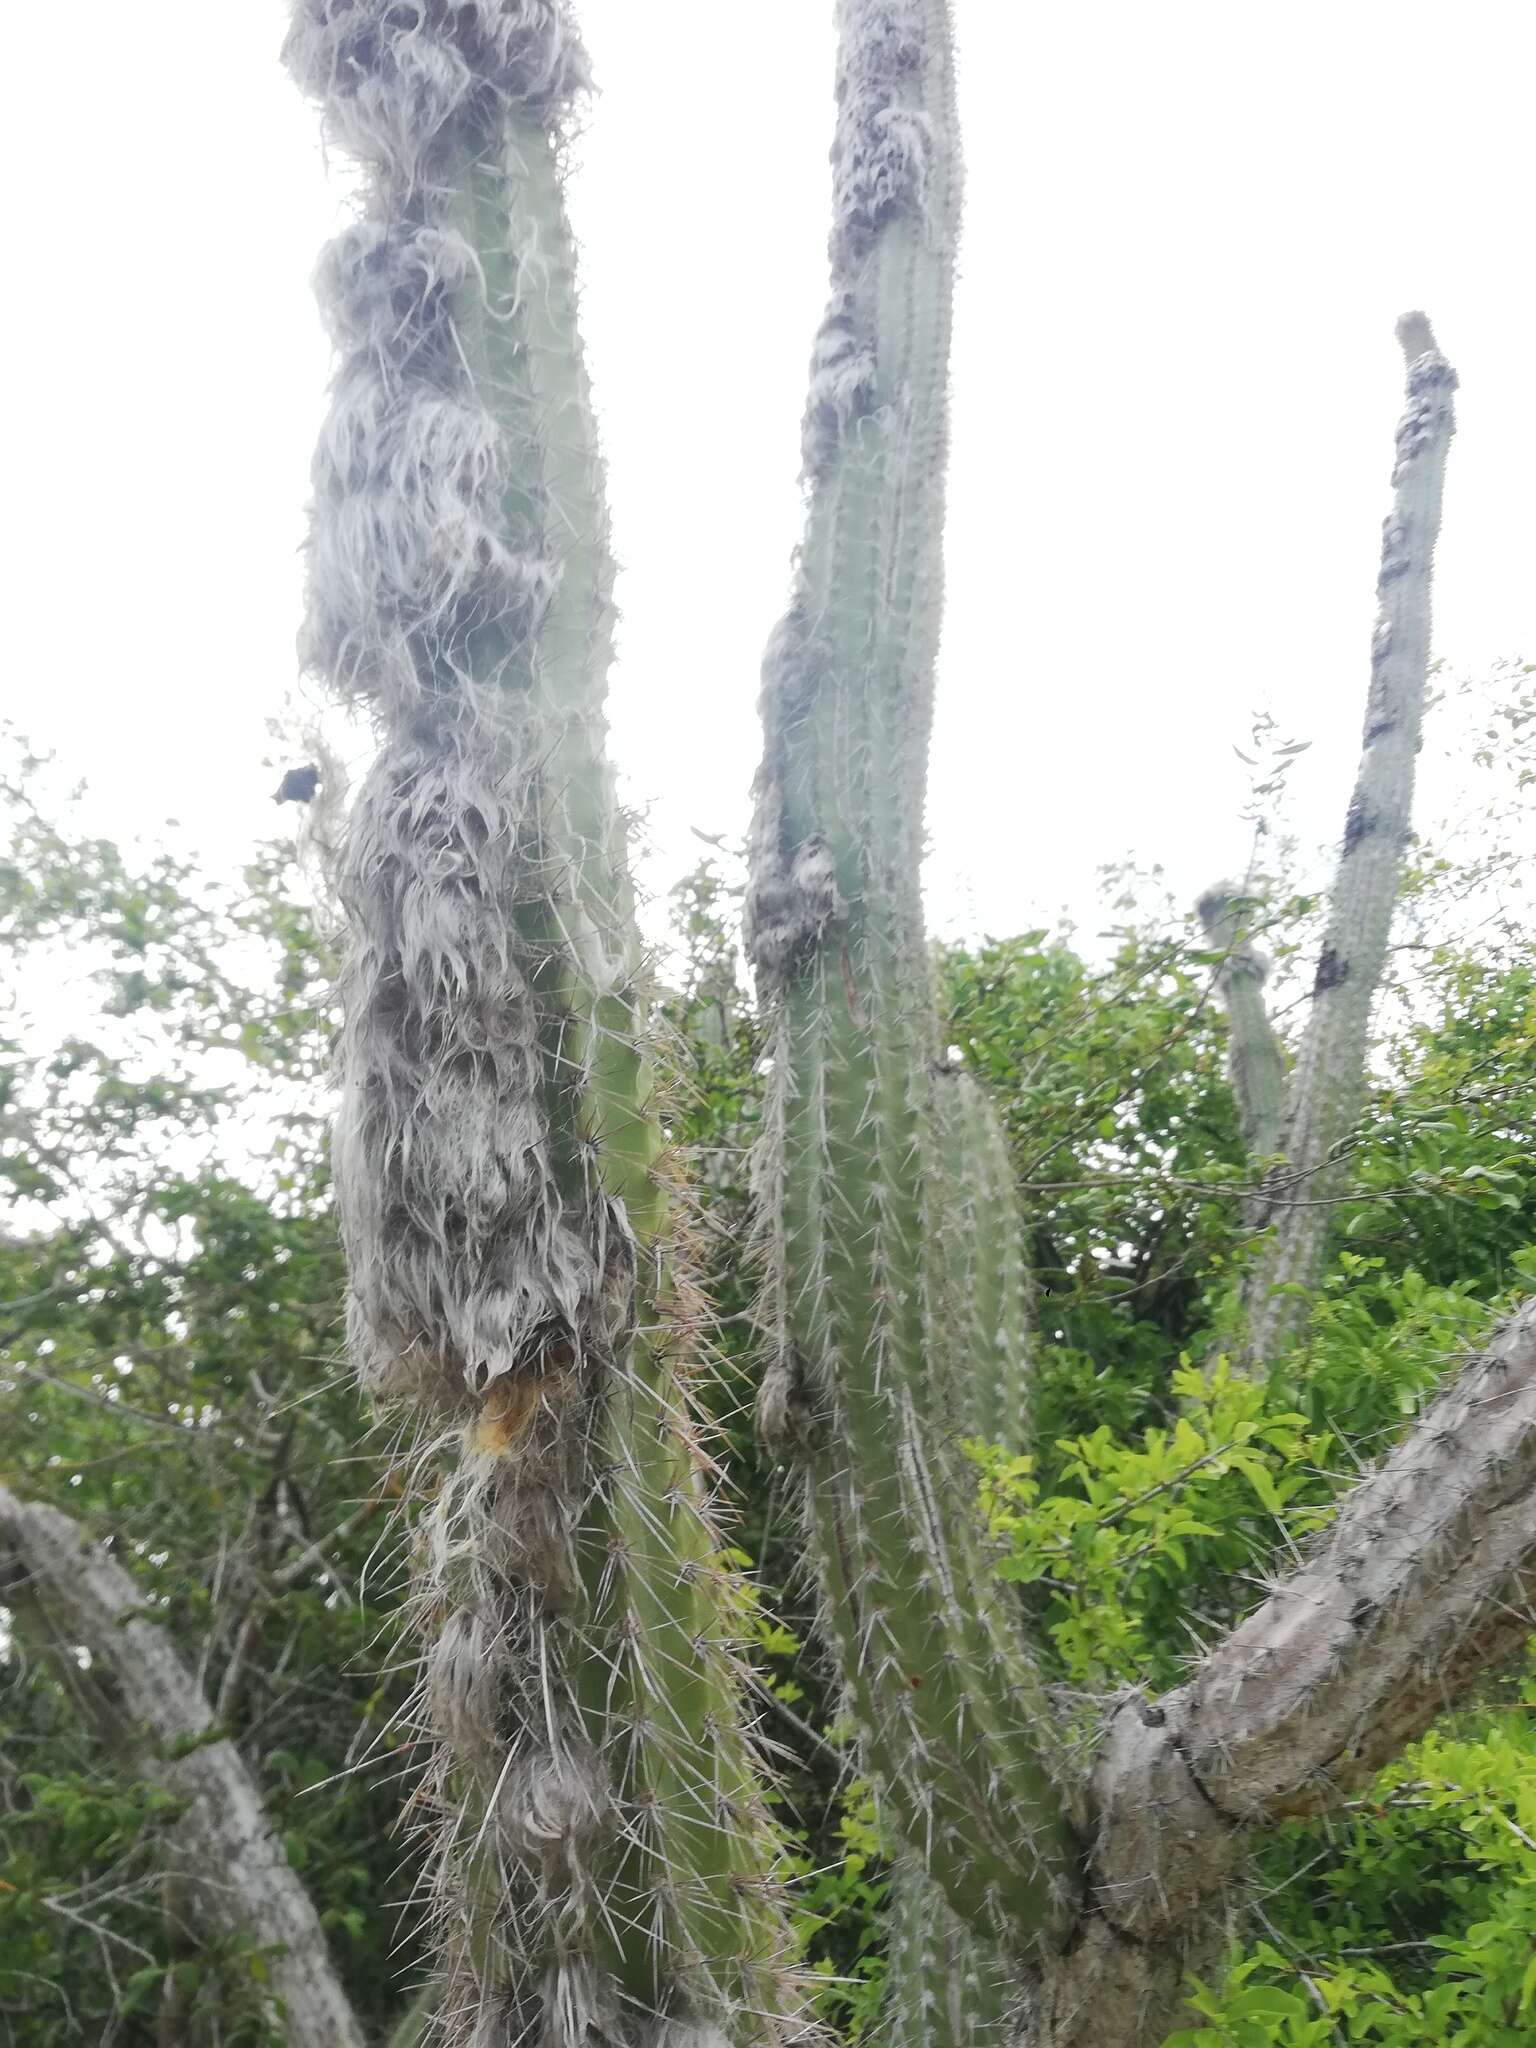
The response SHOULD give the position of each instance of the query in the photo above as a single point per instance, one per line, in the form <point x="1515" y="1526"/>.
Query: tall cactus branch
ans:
<point x="852" y="1176"/>
<point x="1327" y="1086"/>
<point x="605" y="1867"/>
<point x="950" y="1982"/>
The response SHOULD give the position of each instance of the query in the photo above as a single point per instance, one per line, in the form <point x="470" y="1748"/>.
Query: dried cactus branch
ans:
<point x="1425" y="1580"/>
<point x="1327" y="1087"/>
<point x="66" y="1592"/>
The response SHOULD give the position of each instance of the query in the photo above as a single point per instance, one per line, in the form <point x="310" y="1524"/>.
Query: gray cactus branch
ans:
<point x="68" y="1593"/>
<point x="1327" y="1086"/>
<point x="1425" y="1580"/>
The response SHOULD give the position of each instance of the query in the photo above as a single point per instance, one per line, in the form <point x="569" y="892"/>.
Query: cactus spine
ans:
<point x="605" y="1872"/>
<point x="853" y="1169"/>
<point x="1327" y="1087"/>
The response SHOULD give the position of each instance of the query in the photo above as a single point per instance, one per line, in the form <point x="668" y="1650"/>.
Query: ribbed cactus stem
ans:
<point x="955" y="1731"/>
<point x="980" y="1281"/>
<point x="946" y="1985"/>
<point x="1328" y="1085"/>
<point x="605" y="1867"/>
<point x="1255" y="1060"/>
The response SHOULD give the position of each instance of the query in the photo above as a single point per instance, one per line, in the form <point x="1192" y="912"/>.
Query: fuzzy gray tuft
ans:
<point x="572" y="2007"/>
<point x="792" y="910"/>
<point x="882" y="145"/>
<point x="462" y="1684"/>
<point x="552" y="1809"/>
<point x="784" y="1418"/>
<point x="402" y="79"/>
<point x="1224" y="911"/>
<point x="842" y="384"/>
<point x="881" y="153"/>
<point x="1432" y="385"/>
<point x="793" y="897"/>
<point x="409" y="564"/>
<point x="383" y="288"/>
<point x="464" y="1266"/>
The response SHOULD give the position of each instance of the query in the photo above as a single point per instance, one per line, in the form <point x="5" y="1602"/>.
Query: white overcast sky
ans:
<point x="1190" y="228"/>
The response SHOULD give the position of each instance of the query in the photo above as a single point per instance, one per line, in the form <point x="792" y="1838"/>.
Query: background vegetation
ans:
<point x="172" y="1377"/>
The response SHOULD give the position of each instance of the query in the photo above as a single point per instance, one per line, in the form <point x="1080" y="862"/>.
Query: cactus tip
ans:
<point x="1416" y="335"/>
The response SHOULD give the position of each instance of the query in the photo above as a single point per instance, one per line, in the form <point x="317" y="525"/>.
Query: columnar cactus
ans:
<point x="606" y="1872"/>
<point x="1327" y="1088"/>
<point x="854" y="1171"/>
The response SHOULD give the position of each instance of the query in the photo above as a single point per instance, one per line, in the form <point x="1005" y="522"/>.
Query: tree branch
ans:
<point x="68" y="1592"/>
<point x="1424" y="1581"/>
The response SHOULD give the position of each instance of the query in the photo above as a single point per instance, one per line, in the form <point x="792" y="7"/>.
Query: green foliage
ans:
<point x="171" y="1374"/>
<point x="1111" y="1552"/>
<point x="839" y="1917"/>
<point x="1425" y="1929"/>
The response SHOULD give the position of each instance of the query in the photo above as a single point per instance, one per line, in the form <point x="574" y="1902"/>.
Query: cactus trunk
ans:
<point x="605" y="1868"/>
<point x="1422" y="1584"/>
<point x="853" y="1168"/>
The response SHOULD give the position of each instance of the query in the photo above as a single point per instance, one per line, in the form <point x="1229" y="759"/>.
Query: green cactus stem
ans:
<point x="605" y="1870"/>
<point x="945" y="1986"/>
<point x="980" y="1284"/>
<point x="853" y="1168"/>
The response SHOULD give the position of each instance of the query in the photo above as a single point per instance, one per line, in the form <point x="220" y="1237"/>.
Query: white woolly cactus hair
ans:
<point x="400" y="80"/>
<point x="604" y="1875"/>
